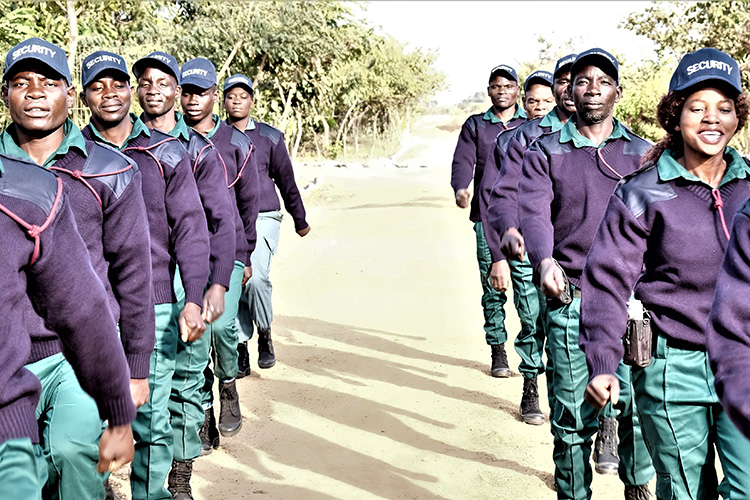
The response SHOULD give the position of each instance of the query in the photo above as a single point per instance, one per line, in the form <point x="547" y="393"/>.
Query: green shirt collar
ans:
<point x="552" y="120"/>
<point x="181" y="130"/>
<point x="250" y="124"/>
<point x="490" y="116"/>
<point x="669" y="169"/>
<point x="138" y="128"/>
<point x="569" y="133"/>
<point x="217" y="121"/>
<point x="73" y="139"/>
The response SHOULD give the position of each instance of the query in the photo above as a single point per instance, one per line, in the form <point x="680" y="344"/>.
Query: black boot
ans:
<point x="109" y="494"/>
<point x="230" y="417"/>
<point x="500" y="366"/>
<point x="639" y="492"/>
<point x="530" y="412"/>
<point x="266" y="359"/>
<point x="605" y="447"/>
<point x="178" y="482"/>
<point x="243" y="360"/>
<point x="209" y="433"/>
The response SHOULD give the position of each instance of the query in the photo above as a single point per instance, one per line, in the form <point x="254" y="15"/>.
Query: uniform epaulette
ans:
<point x="108" y="166"/>
<point x="28" y="181"/>
<point x="197" y="147"/>
<point x="642" y="188"/>
<point x="240" y="141"/>
<point x="168" y="150"/>
<point x="502" y="141"/>
<point x="274" y="134"/>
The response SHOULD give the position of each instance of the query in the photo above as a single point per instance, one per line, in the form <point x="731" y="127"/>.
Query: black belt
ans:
<point x="577" y="293"/>
<point x="686" y="346"/>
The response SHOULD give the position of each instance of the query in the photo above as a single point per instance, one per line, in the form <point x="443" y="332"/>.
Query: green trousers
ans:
<point x="152" y="429"/>
<point x="683" y="421"/>
<point x="529" y="343"/>
<point x="21" y="471"/>
<point x="223" y="338"/>
<point x="186" y="398"/>
<point x="70" y="430"/>
<point x="492" y="300"/>
<point x="574" y="421"/>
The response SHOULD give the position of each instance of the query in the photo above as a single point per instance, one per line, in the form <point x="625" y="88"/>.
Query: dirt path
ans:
<point x="381" y="389"/>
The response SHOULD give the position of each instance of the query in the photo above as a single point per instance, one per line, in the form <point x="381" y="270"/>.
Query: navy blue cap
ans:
<point x="160" y="60"/>
<point x="98" y="62"/>
<point x="503" y="69"/>
<point x="198" y="72"/>
<point x="564" y="64"/>
<point x="599" y="58"/>
<point x="40" y="50"/>
<point x="704" y="65"/>
<point x="238" y="79"/>
<point x="537" y="77"/>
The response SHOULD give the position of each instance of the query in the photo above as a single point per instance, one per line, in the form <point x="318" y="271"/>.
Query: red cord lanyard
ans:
<point x="719" y="204"/>
<point x="599" y="153"/>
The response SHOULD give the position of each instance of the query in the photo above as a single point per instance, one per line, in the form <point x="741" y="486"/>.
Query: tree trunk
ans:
<point x="287" y="100"/>
<point x="259" y="74"/>
<point x="299" y="135"/>
<point x="71" y="15"/>
<point x="342" y="127"/>
<point x="225" y="66"/>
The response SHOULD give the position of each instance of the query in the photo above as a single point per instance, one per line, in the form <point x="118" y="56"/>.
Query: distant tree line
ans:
<point x="322" y="76"/>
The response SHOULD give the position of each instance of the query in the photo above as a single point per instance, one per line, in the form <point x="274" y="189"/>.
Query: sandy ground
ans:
<point x="382" y="387"/>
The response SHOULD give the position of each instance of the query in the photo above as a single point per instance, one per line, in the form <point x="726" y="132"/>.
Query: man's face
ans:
<point x="197" y="104"/>
<point x="595" y="94"/>
<point x="538" y="101"/>
<point x="108" y="97"/>
<point x="238" y="103"/>
<point x="503" y="92"/>
<point x="157" y="91"/>
<point x="38" y="100"/>
<point x="563" y="99"/>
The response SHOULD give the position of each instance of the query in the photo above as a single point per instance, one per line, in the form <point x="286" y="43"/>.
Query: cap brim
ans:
<point x="503" y="72"/>
<point x="198" y="83"/>
<point x="117" y="71"/>
<point x="18" y="63"/>
<point x="239" y="84"/>
<point x="562" y="69"/>
<point x="725" y="82"/>
<point x="147" y="62"/>
<point x="597" y="60"/>
<point x="537" y="80"/>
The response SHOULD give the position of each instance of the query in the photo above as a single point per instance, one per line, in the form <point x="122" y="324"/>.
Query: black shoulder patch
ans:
<point x="28" y="181"/>
<point x="240" y="141"/>
<point x="642" y="188"/>
<point x="274" y="134"/>
<point x="745" y="208"/>
<point x="549" y="142"/>
<point x="168" y="150"/>
<point x="197" y="145"/>
<point x="503" y="139"/>
<point x="529" y="131"/>
<point x="636" y="146"/>
<point x="109" y="166"/>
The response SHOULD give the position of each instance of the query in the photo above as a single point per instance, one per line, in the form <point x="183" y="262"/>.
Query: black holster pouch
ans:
<point x="638" y="342"/>
<point x="566" y="297"/>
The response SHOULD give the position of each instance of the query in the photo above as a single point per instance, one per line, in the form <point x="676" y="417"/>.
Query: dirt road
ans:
<point x="381" y="389"/>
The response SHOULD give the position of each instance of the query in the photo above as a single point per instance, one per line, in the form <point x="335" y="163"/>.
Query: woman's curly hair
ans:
<point x="668" y="113"/>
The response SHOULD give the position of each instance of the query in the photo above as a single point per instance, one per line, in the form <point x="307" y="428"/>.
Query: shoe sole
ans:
<point x="243" y="374"/>
<point x="533" y="419"/>
<point x="214" y="445"/>
<point x="503" y="373"/>
<point x="266" y="366"/>
<point x="606" y="470"/>
<point x="231" y="432"/>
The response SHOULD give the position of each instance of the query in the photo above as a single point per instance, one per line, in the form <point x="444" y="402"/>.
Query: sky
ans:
<point x="472" y="37"/>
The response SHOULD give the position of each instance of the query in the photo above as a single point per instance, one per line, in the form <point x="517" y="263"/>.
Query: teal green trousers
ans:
<point x="492" y="300"/>
<point x="186" y="397"/>
<point x="529" y="343"/>
<point x="574" y="421"/>
<point x="22" y="472"/>
<point x="70" y="430"/>
<point x="683" y="421"/>
<point x="152" y="429"/>
<point x="223" y="338"/>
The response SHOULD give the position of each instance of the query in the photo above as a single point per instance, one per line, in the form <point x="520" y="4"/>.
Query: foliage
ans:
<point x="320" y="75"/>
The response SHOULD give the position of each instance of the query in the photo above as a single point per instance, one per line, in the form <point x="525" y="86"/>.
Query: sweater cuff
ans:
<point x="300" y="224"/>
<point x="194" y="293"/>
<point x="118" y="411"/>
<point x="139" y="364"/>
<point x="600" y="364"/>
<point x="222" y="275"/>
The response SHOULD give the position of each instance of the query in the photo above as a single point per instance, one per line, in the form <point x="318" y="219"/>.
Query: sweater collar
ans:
<point x="490" y="116"/>
<point x="73" y="140"/>
<point x="569" y="133"/>
<point x="669" y="169"/>
<point x="138" y="128"/>
<point x="552" y="120"/>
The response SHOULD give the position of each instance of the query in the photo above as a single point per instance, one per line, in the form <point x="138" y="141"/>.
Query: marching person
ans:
<point x="475" y="143"/>
<point x="158" y="78"/>
<point x="663" y="236"/>
<point x="566" y="180"/>
<point x="240" y="178"/>
<point x="502" y="216"/>
<point x="274" y="171"/>
<point x="178" y="233"/>
<point x="104" y="189"/>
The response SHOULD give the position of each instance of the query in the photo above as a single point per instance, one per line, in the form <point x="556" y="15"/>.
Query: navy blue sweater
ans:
<point x="65" y="292"/>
